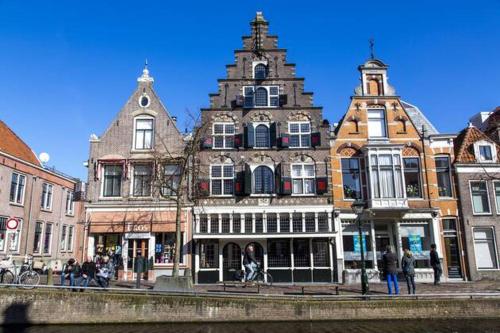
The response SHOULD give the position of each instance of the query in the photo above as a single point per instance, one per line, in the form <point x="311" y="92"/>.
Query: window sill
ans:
<point x="256" y="195"/>
<point x="221" y="195"/>
<point x="70" y="215"/>
<point x="16" y="204"/>
<point x="223" y="148"/>
<point x="482" y="214"/>
<point x="303" y="195"/>
<point x="111" y="198"/>
<point x="46" y="210"/>
<point x="416" y="199"/>
<point x="142" y="150"/>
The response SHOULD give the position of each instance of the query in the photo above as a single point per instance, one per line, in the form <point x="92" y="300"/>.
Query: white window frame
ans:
<point x="449" y="176"/>
<point x="132" y="180"/>
<point x="477" y="151"/>
<point x="47" y="206"/>
<point x="103" y="180"/>
<point x="224" y="134"/>
<point x="497" y="205"/>
<point x="16" y="194"/>
<point x="40" y="240"/>
<point x="19" y="231"/>
<point x="221" y="178"/>
<point x="63" y="237"/>
<point x="300" y="133"/>
<point x="487" y="197"/>
<point x="43" y="238"/>
<point x="134" y="143"/>
<point x="371" y="171"/>
<point x="70" y="210"/>
<point x="360" y="178"/>
<point x="69" y="244"/>
<point x="255" y="135"/>
<point x="494" y="247"/>
<point x="255" y="63"/>
<point x="384" y="125"/>
<point x="269" y="96"/>
<point x="303" y="177"/>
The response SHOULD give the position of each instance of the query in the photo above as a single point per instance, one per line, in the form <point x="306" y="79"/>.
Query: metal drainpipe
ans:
<point x="425" y="166"/>
<point x="29" y="214"/>
<point x="60" y="222"/>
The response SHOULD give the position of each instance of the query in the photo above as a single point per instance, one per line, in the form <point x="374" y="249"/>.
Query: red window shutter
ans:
<point x="321" y="185"/>
<point x="316" y="139"/>
<point x="207" y="143"/>
<point x="203" y="188"/>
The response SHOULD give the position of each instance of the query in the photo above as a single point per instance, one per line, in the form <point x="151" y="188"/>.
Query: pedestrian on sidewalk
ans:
<point x="88" y="273"/>
<point x="435" y="264"/>
<point x="390" y="268"/>
<point x="408" y="266"/>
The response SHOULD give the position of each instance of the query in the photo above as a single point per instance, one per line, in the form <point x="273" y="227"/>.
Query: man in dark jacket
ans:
<point x="435" y="264"/>
<point x="88" y="272"/>
<point x="250" y="262"/>
<point x="391" y="270"/>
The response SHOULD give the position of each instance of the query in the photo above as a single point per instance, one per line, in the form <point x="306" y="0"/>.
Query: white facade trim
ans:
<point x="260" y="209"/>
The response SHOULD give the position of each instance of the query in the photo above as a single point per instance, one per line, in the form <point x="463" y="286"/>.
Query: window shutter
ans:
<point x="203" y="188"/>
<point x="277" y="178"/>
<point x="249" y="135"/>
<point x="284" y="141"/>
<point x="248" y="180"/>
<point x="321" y="185"/>
<point x="283" y="100"/>
<point x="239" y="185"/>
<point x="240" y="100"/>
<point x="207" y="143"/>
<point x="272" y="134"/>
<point x="286" y="185"/>
<point x="238" y="140"/>
<point x="316" y="139"/>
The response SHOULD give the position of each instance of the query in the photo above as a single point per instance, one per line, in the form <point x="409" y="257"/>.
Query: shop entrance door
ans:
<point x="136" y="247"/>
<point x="231" y="261"/>
<point x="451" y="248"/>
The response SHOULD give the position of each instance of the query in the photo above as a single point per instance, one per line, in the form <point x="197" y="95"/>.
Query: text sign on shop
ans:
<point x="415" y="243"/>
<point x="12" y="223"/>
<point x="357" y="248"/>
<point x="137" y="235"/>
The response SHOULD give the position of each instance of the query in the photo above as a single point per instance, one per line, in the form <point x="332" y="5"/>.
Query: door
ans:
<point x="231" y="261"/>
<point x="452" y="249"/>
<point x="136" y="247"/>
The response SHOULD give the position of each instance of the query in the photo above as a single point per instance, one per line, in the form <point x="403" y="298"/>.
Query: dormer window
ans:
<point x="143" y="134"/>
<point x="485" y="152"/>
<point x="261" y="96"/>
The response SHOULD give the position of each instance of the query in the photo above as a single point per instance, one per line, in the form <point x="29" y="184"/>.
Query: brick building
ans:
<point x="264" y="169"/>
<point x="125" y="213"/>
<point x="477" y="170"/>
<point x="42" y="201"/>
<point x="387" y="153"/>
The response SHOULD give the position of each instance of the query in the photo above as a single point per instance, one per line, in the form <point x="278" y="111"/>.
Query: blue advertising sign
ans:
<point x="357" y="248"/>
<point x="415" y="243"/>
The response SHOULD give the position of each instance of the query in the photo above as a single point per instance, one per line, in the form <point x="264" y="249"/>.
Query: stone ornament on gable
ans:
<point x="261" y="116"/>
<point x="301" y="158"/>
<point x="225" y="117"/>
<point x="261" y="158"/>
<point x="299" y="116"/>
<point x="222" y="158"/>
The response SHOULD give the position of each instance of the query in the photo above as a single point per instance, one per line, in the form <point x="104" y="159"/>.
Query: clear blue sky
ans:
<point x="67" y="67"/>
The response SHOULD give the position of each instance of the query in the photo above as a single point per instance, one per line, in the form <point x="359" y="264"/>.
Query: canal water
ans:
<point x="401" y="326"/>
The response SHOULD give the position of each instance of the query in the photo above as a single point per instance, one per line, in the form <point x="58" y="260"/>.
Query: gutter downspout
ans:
<point x="422" y="137"/>
<point x="60" y="224"/>
<point x="29" y="214"/>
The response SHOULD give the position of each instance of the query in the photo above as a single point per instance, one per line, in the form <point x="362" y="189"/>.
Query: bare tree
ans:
<point x="175" y="170"/>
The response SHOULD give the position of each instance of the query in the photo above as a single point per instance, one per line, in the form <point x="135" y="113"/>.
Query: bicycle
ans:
<point x="27" y="277"/>
<point x="259" y="277"/>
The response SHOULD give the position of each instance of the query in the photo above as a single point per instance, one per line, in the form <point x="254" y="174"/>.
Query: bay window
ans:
<point x="386" y="178"/>
<point x="222" y="179"/>
<point x="351" y="178"/>
<point x="300" y="134"/>
<point x="303" y="177"/>
<point x="376" y="123"/>
<point x="496" y="186"/>
<point x="143" y="133"/>
<point x="479" y="195"/>
<point x="223" y="134"/>
<point x="412" y="177"/>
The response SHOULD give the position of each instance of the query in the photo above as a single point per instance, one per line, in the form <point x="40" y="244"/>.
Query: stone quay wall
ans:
<point x="66" y="307"/>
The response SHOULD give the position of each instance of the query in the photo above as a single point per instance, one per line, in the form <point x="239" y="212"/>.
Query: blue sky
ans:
<point x="67" y="67"/>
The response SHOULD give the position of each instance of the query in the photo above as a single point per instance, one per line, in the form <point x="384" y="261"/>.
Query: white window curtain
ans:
<point x="486" y="257"/>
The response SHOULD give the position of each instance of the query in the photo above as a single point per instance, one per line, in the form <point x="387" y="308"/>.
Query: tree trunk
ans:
<point x="177" y="256"/>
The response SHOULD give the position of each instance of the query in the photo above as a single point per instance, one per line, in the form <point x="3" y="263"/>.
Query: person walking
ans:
<point x="390" y="267"/>
<point x="435" y="264"/>
<point x="250" y="262"/>
<point x="408" y="266"/>
<point x="88" y="273"/>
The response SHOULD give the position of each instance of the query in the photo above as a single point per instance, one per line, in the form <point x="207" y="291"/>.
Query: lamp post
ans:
<point x="358" y="207"/>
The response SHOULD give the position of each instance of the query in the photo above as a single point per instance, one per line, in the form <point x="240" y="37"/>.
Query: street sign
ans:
<point x="12" y="223"/>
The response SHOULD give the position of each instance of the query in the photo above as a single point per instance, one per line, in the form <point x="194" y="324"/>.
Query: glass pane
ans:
<point x="218" y="128"/>
<point x="309" y="170"/>
<point x="228" y="186"/>
<point x="294" y="140"/>
<point x="261" y="97"/>
<point x="216" y="171"/>
<point x="294" y="128"/>
<point x="144" y="124"/>
<point x="228" y="171"/>
<point x="297" y="186"/>
<point x="229" y="128"/>
<point x="304" y="127"/>
<point x="296" y="170"/>
<point x="305" y="140"/>
<point x="273" y="90"/>
<point x="218" y="142"/>
<point x="308" y="186"/>
<point x="216" y="187"/>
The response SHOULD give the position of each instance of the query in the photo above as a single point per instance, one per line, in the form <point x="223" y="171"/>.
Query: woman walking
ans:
<point x="408" y="265"/>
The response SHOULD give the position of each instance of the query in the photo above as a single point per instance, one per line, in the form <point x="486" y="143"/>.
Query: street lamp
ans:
<point x="358" y="207"/>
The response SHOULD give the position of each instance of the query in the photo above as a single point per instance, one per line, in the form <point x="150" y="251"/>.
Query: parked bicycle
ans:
<point x="261" y="276"/>
<point x="25" y="276"/>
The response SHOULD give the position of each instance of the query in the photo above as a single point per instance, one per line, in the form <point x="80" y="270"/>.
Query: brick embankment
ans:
<point x="63" y="306"/>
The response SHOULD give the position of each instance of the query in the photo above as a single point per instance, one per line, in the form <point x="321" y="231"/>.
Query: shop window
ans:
<point x="284" y="222"/>
<point x="142" y="180"/>
<point x="310" y="222"/>
<point x="278" y="253"/>
<point x="108" y="244"/>
<point x="236" y="223"/>
<point x="272" y="223"/>
<point x="297" y="222"/>
<point x="209" y="254"/>
<point x="351" y="178"/>
<point x="443" y="176"/>
<point x="479" y="195"/>
<point x="412" y="177"/>
<point x="259" y="223"/>
<point x="485" y="248"/>
<point x="165" y="248"/>
<point x="416" y="238"/>
<point x="323" y="222"/>
<point x="352" y="246"/>
<point x="301" y="253"/>
<point x="321" y="253"/>
<point x="376" y="124"/>
<point x="300" y="134"/>
<point x="223" y="135"/>
<point x="303" y="178"/>
<point x="17" y="186"/>
<point x="112" y="180"/>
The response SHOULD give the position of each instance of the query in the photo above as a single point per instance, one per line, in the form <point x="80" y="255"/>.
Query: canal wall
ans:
<point x="66" y="307"/>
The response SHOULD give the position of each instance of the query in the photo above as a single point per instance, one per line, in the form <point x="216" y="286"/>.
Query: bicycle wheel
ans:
<point x="29" y="279"/>
<point x="269" y="278"/>
<point x="7" y="277"/>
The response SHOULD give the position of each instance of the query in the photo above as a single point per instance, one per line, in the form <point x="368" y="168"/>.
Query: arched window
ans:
<point x="260" y="72"/>
<point x="262" y="136"/>
<point x="261" y="97"/>
<point x="263" y="180"/>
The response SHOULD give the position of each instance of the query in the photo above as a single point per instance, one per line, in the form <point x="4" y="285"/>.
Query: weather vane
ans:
<point x="372" y="46"/>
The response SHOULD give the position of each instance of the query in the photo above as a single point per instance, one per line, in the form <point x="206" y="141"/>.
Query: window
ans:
<point x="249" y="95"/>
<point x="284" y="222"/>
<point x="69" y="246"/>
<point x="165" y="247"/>
<point x="417" y="238"/>
<point x="351" y="178"/>
<point x="301" y="253"/>
<point x="485" y="248"/>
<point x="352" y="246"/>
<point x="222" y="179"/>
<point x="112" y="180"/>
<point x="70" y="204"/>
<point x="261" y="96"/>
<point x="37" y="240"/>
<point x="412" y="177"/>
<point x="278" y="253"/>
<point x="223" y="135"/>
<point x="485" y="152"/>
<point x="260" y="72"/>
<point x="303" y="176"/>
<point x="272" y="222"/>
<point x="376" y="124"/>
<point x="300" y="134"/>
<point x="17" y="186"/>
<point x="142" y="180"/>
<point x="480" y="200"/>
<point x="496" y="185"/>
<point x="9" y="239"/>
<point x="262" y="136"/>
<point x="47" y="238"/>
<point x="321" y="253"/>
<point x="443" y="176"/>
<point x="323" y="222"/>
<point x="63" y="237"/>
<point x="143" y="133"/>
<point x="386" y="178"/>
<point x="263" y="180"/>
<point x="209" y="254"/>
<point x="47" y="190"/>
<point x="170" y="182"/>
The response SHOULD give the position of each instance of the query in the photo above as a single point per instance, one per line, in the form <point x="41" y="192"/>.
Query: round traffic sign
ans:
<point x="12" y="223"/>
